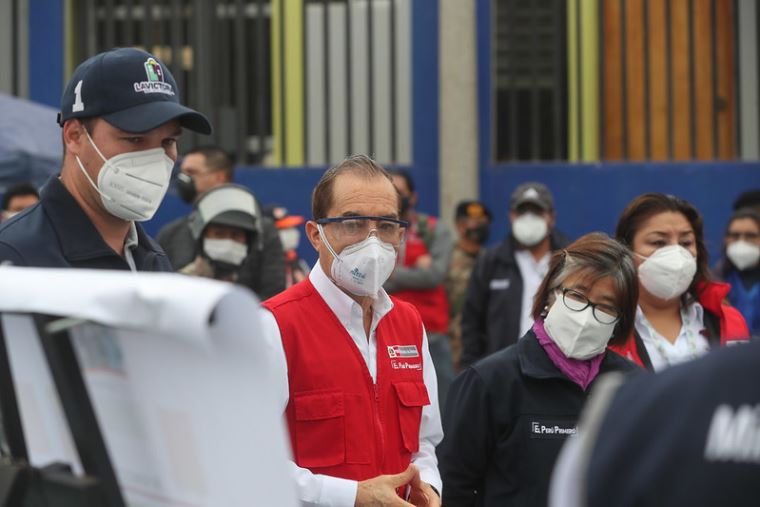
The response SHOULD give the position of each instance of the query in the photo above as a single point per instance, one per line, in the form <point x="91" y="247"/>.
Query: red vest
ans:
<point x="342" y="424"/>
<point x="432" y="304"/>
<point x="712" y="295"/>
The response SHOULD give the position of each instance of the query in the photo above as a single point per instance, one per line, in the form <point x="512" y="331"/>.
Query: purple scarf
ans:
<point x="580" y="371"/>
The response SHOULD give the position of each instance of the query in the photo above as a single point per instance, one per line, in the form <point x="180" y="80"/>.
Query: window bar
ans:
<point x="283" y="125"/>
<point x="624" y="76"/>
<point x="557" y="92"/>
<point x="737" y="81"/>
<point x="260" y="83"/>
<point x="647" y="104"/>
<point x="392" y="77"/>
<point x="602" y="87"/>
<point x="326" y="49"/>
<point x="147" y="25"/>
<point x="578" y="77"/>
<point x="370" y="80"/>
<point x="534" y="99"/>
<point x="129" y="36"/>
<point x="109" y="25"/>
<point x="669" y="72"/>
<point x="305" y="88"/>
<point x="692" y="88"/>
<point x="241" y="83"/>
<point x="510" y="59"/>
<point x="349" y="81"/>
<point x="715" y="96"/>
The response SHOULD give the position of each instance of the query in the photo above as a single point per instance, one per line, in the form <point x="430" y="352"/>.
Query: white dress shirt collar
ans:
<point x="341" y="303"/>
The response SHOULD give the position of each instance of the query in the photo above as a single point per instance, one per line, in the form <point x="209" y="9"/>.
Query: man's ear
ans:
<point x="74" y="136"/>
<point x="312" y="232"/>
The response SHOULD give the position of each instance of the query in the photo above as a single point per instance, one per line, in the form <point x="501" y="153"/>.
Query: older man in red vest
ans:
<point x="360" y="393"/>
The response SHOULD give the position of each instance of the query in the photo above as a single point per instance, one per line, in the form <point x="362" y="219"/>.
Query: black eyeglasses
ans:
<point x="577" y="302"/>
<point x="351" y="228"/>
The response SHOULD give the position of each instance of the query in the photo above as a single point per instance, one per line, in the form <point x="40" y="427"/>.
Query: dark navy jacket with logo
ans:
<point x="689" y="435"/>
<point x="492" y="305"/>
<point x="506" y="419"/>
<point x="56" y="233"/>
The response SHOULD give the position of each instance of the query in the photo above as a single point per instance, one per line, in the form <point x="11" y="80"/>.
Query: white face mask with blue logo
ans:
<point x="362" y="268"/>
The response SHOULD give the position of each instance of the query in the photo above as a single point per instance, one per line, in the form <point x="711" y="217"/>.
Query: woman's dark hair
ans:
<point x="596" y="256"/>
<point x="725" y="265"/>
<point x="648" y="205"/>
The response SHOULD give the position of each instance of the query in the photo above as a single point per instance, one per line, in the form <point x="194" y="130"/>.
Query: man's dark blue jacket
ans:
<point x="56" y="233"/>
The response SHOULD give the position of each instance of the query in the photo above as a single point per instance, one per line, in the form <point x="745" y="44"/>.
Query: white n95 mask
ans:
<point x="362" y="268"/>
<point x="289" y="238"/>
<point x="132" y="185"/>
<point x="530" y="229"/>
<point x="668" y="272"/>
<point x="225" y="250"/>
<point x="743" y="254"/>
<point x="577" y="334"/>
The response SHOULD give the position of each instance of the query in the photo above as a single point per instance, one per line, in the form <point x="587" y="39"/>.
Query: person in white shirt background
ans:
<point x="356" y="381"/>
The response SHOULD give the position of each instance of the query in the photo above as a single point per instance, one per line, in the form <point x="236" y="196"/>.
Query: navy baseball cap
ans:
<point x="130" y="89"/>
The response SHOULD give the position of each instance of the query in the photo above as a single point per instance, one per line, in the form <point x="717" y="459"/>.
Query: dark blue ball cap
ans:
<point x="130" y="89"/>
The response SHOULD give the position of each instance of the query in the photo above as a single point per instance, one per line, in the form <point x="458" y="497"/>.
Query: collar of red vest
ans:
<point x="711" y="295"/>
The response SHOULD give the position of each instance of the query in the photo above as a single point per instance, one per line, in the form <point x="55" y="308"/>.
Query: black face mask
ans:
<point x="186" y="187"/>
<point x="477" y="234"/>
<point x="405" y="205"/>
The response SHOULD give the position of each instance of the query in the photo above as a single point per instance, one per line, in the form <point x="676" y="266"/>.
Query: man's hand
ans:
<point x="381" y="491"/>
<point x="422" y="494"/>
<point x="423" y="262"/>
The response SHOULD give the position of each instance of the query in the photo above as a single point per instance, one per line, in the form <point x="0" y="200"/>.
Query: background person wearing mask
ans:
<point x="358" y="386"/>
<point x="289" y="229"/>
<point x="499" y="297"/>
<point x="509" y="414"/>
<point x="225" y="223"/>
<point x="472" y="221"/>
<point x="121" y="120"/>
<point x="202" y="169"/>
<point x="740" y="266"/>
<point x="418" y="279"/>
<point x="17" y="198"/>
<point x="681" y="312"/>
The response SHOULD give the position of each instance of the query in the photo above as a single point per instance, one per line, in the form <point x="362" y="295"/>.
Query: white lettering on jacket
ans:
<point x="734" y="435"/>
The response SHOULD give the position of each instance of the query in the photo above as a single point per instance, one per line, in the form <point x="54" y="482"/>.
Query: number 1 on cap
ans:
<point x="78" y="104"/>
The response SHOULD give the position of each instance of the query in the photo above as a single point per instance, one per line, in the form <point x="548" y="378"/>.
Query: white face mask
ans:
<point x="289" y="238"/>
<point x="577" y="334"/>
<point x="225" y="250"/>
<point x="743" y="254"/>
<point x="668" y="272"/>
<point x="362" y="268"/>
<point x="530" y="229"/>
<point x="132" y="185"/>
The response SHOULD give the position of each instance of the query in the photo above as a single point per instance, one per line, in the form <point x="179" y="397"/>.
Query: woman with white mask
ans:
<point x="681" y="313"/>
<point x="508" y="415"/>
<point x="740" y="265"/>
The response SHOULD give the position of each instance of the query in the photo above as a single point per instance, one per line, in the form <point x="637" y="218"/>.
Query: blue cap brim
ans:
<point x="145" y="117"/>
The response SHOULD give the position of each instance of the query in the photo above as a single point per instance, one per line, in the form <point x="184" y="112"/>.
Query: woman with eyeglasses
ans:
<point x="681" y="312"/>
<point x="509" y="414"/>
<point x="740" y="265"/>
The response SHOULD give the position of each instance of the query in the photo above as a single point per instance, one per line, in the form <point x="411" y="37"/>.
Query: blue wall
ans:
<point x="590" y="197"/>
<point x="46" y="51"/>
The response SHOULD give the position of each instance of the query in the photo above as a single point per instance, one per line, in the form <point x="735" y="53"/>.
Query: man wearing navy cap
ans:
<point x="121" y="119"/>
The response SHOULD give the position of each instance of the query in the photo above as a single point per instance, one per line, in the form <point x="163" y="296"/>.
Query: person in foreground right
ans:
<point x="681" y="312"/>
<point x="509" y="413"/>
<point x="688" y="436"/>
